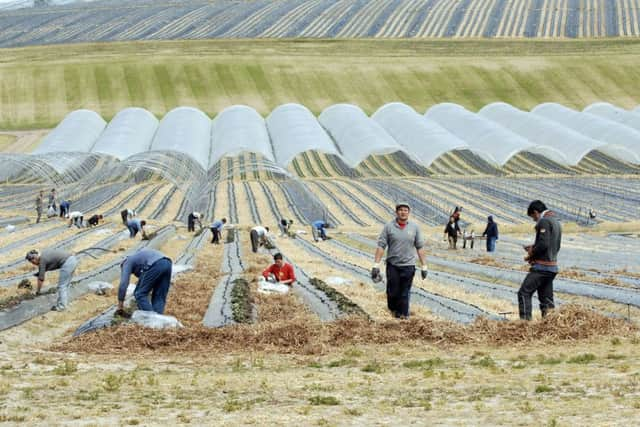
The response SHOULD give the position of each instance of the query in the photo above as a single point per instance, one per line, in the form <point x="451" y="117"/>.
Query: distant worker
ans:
<point x="64" y="208"/>
<point x="259" y="237"/>
<point x="52" y="199"/>
<point x="543" y="258"/>
<point x="492" y="234"/>
<point x="470" y="237"/>
<point x="403" y="240"/>
<point x="285" y="226"/>
<point x="94" y="220"/>
<point x="76" y="218"/>
<point x="153" y="269"/>
<point x="39" y="205"/>
<point x="280" y="271"/>
<point x="456" y="214"/>
<point x="318" y="230"/>
<point x="55" y="259"/>
<point x="451" y="232"/>
<point x="135" y="226"/>
<point x="192" y="219"/>
<point x="216" y="230"/>
<point x="126" y="215"/>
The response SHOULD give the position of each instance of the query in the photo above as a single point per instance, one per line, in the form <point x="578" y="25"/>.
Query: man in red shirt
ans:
<point x="280" y="271"/>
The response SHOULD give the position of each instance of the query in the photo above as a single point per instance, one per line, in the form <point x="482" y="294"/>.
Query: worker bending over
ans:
<point x="259" y="236"/>
<point x="153" y="270"/>
<point x="280" y="271"/>
<point x="318" y="230"/>
<point x="76" y="218"/>
<point x="216" y="230"/>
<point x="94" y="220"/>
<point x="192" y="219"/>
<point x="135" y="226"/>
<point x="403" y="240"/>
<point x="55" y="259"/>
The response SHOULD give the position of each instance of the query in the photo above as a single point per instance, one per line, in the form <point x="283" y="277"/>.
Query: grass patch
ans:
<point x="324" y="401"/>
<point x="423" y="364"/>
<point x="69" y="367"/>
<point x="582" y="358"/>
<point x="543" y="389"/>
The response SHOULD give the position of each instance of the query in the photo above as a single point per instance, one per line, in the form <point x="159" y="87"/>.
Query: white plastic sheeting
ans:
<point x="423" y="139"/>
<point x="566" y="146"/>
<point x="356" y="135"/>
<point x="616" y="114"/>
<point x="486" y="138"/>
<point x="294" y="130"/>
<point x="236" y="129"/>
<point x="621" y="141"/>
<point x="129" y="132"/>
<point x="76" y="133"/>
<point x="186" y="130"/>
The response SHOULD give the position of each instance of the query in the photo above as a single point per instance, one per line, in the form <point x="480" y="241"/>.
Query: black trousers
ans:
<point x="216" y="236"/>
<point x="542" y="282"/>
<point x="124" y="215"/>
<point x="191" y="223"/>
<point x="255" y="241"/>
<point x="399" y="281"/>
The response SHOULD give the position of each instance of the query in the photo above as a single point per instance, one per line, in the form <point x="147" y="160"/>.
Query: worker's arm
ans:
<point x="422" y="255"/>
<point x="124" y="282"/>
<point x="39" y="286"/>
<point x="267" y="271"/>
<point x="291" y="274"/>
<point x="379" y="254"/>
<point x="543" y="239"/>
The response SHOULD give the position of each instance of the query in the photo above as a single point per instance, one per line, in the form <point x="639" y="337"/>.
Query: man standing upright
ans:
<point x="543" y="257"/>
<point x="403" y="240"/>
<point x="39" y="203"/>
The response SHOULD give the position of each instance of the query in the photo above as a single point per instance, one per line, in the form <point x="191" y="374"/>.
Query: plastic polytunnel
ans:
<point x="356" y="135"/>
<point x="616" y="114"/>
<point x="620" y="141"/>
<point x="185" y="130"/>
<point x="236" y="129"/>
<point x="566" y="146"/>
<point x="423" y="139"/>
<point x="129" y="132"/>
<point x="294" y="130"/>
<point x="77" y="132"/>
<point x="486" y="138"/>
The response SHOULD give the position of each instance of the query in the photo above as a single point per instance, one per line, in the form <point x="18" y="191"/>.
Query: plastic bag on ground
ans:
<point x="100" y="288"/>
<point x="180" y="268"/>
<point x="150" y="319"/>
<point x="266" y="287"/>
<point x="10" y="228"/>
<point x="337" y="281"/>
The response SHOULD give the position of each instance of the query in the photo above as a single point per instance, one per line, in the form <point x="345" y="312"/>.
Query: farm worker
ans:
<point x="492" y="234"/>
<point x="64" y="208"/>
<point x="127" y="214"/>
<point x="52" y="199"/>
<point x="216" y="230"/>
<point x="318" y="230"/>
<point x="403" y="240"/>
<point x="456" y="214"/>
<point x="39" y="204"/>
<point x="75" y="217"/>
<point x="153" y="269"/>
<point x="55" y="259"/>
<point x="451" y="231"/>
<point x="259" y="236"/>
<point x="280" y="271"/>
<point x="94" y="220"/>
<point x="285" y="226"/>
<point x="135" y="225"/>
<point x="543" y="257"/>
<point x="191" y="221"/>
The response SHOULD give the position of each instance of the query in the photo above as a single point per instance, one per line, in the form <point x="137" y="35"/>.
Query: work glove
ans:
<point x="121" y="313"/>
<point x="424" y="272"/>
<point x="375" y="274"/>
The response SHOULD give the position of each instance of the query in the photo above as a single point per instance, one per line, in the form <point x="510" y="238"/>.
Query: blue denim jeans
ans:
<point x="155" y="280"/>
<point x="132" y="231"/>
<point x="491" y="244"/>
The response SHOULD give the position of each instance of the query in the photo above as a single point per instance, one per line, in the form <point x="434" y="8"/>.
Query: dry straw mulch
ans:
<point x="570" y="323"/>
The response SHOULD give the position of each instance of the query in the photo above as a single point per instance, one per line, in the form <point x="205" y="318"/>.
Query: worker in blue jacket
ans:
<point x="318" y="230"/>
<point x="153" y="269"/>
<point x="492" y="234"/>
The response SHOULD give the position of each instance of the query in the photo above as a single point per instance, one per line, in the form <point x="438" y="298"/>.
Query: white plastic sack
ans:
<point x="51" y="212"/>
<point x="10" y="228"/>
<point x="301" y="232"/>
<point x="130" y="290"/>
<point x="100" y="288"/>
<point x="150" y="319"/>
<point x="265" y="287"/>
<point x="180" y="268"/>
<point x="337" y="281"/>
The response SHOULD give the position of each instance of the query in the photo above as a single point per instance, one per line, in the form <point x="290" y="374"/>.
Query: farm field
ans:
<point x="40" y="85"/>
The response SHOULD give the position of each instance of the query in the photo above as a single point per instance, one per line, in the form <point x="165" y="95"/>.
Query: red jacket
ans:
<point x="284" y="273"/>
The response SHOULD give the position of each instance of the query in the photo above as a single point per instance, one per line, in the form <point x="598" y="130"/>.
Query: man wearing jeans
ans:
<point x="403" y="240"/>
<point x="153" y="269"/>
<point x="55" y="259"/>
<point x="543" y="257"/>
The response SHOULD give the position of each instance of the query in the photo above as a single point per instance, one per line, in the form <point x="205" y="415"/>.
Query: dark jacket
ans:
<point x="491" y="230"/>
<point x="547" y="245"/>
<point x="452" y="229"/>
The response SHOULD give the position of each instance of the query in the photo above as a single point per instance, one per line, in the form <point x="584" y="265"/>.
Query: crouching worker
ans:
<point x="216" y="230"/>
<point x="318" y="230"/>
<point x="95" y="220"/>
<point x="192" y="219"/>
<point x="280" y="271"/>
<point x="135" y="226"/>
<point x="76" y="218"/>
<point x="259" y="237"/>
<point x="153" y="270"/>
<point x="55" y="259"/>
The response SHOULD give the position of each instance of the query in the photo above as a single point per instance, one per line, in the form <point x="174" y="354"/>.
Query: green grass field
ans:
<point x="40" y="85"/>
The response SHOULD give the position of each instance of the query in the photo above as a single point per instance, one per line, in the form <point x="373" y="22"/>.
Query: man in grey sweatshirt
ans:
<point x="55" y="259"/>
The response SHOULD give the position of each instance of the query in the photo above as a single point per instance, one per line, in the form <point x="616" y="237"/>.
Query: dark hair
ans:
<point x="277" y="256"/>
<point x="143" y="223"/>
<point x="536" y="206"/>
<point x="266" y="228"/>
<point x="100" y="216"/>
<point x="224" y="220"/>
